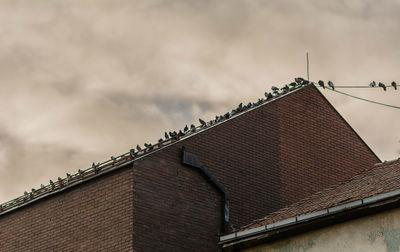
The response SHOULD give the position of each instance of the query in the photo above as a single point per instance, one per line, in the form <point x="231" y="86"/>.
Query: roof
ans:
<point x="377" y="180"/>
<point x="125" y="159"/>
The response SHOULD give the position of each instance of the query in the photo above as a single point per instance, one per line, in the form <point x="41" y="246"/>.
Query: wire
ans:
<point x="359" y="98"/>
<point x="361" y="86"/>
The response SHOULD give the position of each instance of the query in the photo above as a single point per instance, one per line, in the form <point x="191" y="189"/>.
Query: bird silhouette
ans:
<point x="226" y="116"/>
<point x="185" y="129"/>
<point x="41" y="186"/>
<point x="372" y="84"/>
<point x="293" y="84"/>
<point x="330" y="83"/>
<point x="299" y="80"/>
<point x="203" y="123"/>
<point x="181" y="133"/>
<point x="321" y="84"/>
<point x="137" y="148"/>
<point x="166" y="135"/>
<point x="382" y="86"/>
<point x="285" y="88"/>
<point x="25" y="193"/>
<point x="274" y="88"/>
<point x="192" y="127"/>
<point x="394" y="85"/>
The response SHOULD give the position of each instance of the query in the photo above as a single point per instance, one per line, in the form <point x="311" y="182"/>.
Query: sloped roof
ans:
<point x="381" y="178"/>
<point x="127" y="158"/>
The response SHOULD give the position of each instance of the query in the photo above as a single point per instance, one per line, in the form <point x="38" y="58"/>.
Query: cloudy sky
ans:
<point x="83" y="80"/>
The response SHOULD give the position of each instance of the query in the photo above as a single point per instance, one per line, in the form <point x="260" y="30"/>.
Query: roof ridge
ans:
<point x="133" y="155"/>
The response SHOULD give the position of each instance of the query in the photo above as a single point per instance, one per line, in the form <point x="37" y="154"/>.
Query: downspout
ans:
<point x="190" y="159"/>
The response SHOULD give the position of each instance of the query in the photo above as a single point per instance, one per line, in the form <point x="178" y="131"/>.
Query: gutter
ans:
<point x="190" y="159"/>
<point x="255" y="235"/>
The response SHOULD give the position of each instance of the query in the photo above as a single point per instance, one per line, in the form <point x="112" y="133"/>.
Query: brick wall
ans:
<point x="266" y="159"/>
<point x="95" y="216"/>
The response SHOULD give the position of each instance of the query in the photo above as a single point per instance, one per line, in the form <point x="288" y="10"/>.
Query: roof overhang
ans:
<point x="310" y="221"/>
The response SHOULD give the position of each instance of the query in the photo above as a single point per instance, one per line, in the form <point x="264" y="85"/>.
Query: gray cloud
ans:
<point x="84" y="80"/>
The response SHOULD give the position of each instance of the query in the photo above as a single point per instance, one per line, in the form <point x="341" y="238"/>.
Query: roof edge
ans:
<point x="250" y="234"/>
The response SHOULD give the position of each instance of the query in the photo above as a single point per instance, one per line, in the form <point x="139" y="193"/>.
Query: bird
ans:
<point x="268" y="95"/>
<point x="59" y="179"/>
<point x="234" y="226"/>
<point x="68" y="175"/>
<point x="226" y="116"/>
<point x="192" y="127"/>
<point x="372" y="84"/>
<point x="240" y="107"/>
<point x="306" y="82"/>
<point x="274" y="88"/>
<point x="160" y="140"/>
<point x="80" y="171"/>
<point x="113" y="158"/>
<point x="394" y="85"/>
<point x="33" y="189"/>
<point x="137" y="148"/>
<point x="203" y="123"/>
<point x="285" y="88"/>
<point x="51" y="182"/>
<point x="321" y="84"/>
<point x="181" y="133"/>
<point x="25" y="193"/>
<point x="42" y="186"/>
<point x="93" y="165"/>
<point x="293" y="84"/>
<point x="186" y="128"/>
<point x="166" y="135"/>
<point x="330" y="83"/>
<point x="298" y="80"/>
<point x="382" y="86"/>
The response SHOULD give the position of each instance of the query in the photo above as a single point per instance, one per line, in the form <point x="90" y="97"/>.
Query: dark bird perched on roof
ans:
<point x="68" y="175"/>
<point x="160" y="140"/>
<point x="285" y="88"/>
<point x="240" y="107"/>
<point x="113" y="158"/>
<point x="268" y="95"/>
<point x="394" y="85"/>
<point x="80" y="171"/>
<point x="299" y="80"/>
<point x="93" y="165"/>
<point x="25" y="193"/>
<point x="306" y="82"/>
<point x="51" y="182"/>
<point x="33" y="189"/>
<point x="137" y="148"/>
<point x="166" y="135"/>
<point x="192" y="127"/>
<point x="181" y="133"/>
<point x="42" y="186"/>
<point x="293" y="84"/>
<point x="203" y="123"/>
<point x="330" y="83"/>
<point x="274" y="88"/>
<point x="59" y="179"/>
<point x="226" y="116"/>
<point x="382" y="86"/>
<point x="186" y="128"/>
<point x="372" y="84"/>
<point x="321" y="84"/>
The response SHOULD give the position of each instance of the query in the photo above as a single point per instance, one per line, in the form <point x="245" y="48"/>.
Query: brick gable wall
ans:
<point x="267" y="158"/>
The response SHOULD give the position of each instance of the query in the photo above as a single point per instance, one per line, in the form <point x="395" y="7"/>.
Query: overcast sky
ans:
<point x="84" y="80"/>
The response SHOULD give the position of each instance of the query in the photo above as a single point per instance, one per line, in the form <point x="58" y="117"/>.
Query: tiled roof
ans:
<point x="115" y="162"/>
<point x="380" y="178"/>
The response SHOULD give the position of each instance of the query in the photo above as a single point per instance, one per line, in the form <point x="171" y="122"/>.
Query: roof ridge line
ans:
<point x="132" y="155"/>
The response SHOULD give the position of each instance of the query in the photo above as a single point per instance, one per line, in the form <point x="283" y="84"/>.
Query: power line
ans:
<point x="359" y="98"/>
<point x="361" y="86"/>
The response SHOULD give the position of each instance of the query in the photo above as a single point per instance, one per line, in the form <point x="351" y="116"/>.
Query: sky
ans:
<point x="81" y="81"/>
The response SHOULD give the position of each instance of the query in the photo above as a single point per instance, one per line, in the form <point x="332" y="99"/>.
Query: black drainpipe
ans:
<point x="192" y="160"/>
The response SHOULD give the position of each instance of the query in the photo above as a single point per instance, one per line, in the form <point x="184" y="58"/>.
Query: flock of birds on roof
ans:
<point x="174" y="135"/>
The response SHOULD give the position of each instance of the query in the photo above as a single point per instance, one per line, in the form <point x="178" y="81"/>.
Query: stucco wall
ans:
<point x="379" y="232"/>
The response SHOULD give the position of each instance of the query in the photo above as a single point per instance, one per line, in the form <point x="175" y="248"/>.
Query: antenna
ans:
<point x="308" y="69"/>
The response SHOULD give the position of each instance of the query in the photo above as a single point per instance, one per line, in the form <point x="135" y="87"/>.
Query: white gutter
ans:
<point x="307" y="217"/>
